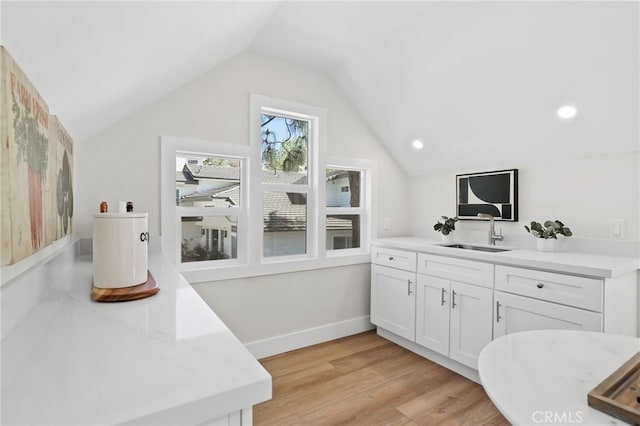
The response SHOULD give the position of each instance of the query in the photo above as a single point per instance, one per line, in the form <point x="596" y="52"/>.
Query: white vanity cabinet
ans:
<point x="453" y="317"/>
<point x="393" y="305"/>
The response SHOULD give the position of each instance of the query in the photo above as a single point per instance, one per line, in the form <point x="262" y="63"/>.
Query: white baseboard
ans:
<point x="303" y="338"/>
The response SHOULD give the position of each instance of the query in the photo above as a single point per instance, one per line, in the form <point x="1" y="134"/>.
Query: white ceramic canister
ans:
<point x="120" y="249"/>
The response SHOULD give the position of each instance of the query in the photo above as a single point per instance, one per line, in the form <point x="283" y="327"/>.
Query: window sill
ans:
<point x="209" y="273"/>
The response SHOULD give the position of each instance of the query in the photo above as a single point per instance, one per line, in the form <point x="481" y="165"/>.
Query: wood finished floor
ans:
<point x="367" y="380"/>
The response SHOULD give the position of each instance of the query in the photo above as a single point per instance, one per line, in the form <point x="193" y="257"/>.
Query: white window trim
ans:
<point x="367" y="206"/>
<point x="250" y="262"/>
<point x="170" y="214"/>
<point x="317" y="118"/>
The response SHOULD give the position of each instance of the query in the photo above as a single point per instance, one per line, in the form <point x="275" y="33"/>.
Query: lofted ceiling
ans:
<point x="477" y="82"/>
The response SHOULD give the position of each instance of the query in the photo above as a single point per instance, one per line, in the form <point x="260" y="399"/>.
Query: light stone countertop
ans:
<point x="166" y="359"/>
<point x="544" y="376"/>
<point x="587" y="264"/>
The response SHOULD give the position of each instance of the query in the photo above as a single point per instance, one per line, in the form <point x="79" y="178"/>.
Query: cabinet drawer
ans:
<point x="568" y="290"/>
<point x="399" y="259"/>
<point x="466" y="271"/>
<point x="514" y="314"/>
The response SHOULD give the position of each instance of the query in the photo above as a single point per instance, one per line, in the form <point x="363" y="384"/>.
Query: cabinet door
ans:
<point x="432" y="313"/>
<point x="471" y="330"/>
<point x="393" y="305"/>
<point x="517" y="313"/>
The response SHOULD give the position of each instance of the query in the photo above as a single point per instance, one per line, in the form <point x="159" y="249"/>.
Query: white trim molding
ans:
<point x="250" y="260"/>
<point x="312" y="336"/>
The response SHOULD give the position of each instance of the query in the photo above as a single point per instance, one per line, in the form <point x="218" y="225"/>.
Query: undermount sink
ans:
<point x="478" y="248"/>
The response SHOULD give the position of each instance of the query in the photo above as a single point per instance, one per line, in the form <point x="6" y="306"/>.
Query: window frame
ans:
<point x="316" y="144"/>
<point x="250" y="261"/>
<point x="171" y="214"/>
<point x="365" y="210"/>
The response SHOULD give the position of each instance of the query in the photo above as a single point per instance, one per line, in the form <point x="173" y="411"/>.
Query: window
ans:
<point x="285" y="140"/>
<point x="206" y="221"/>
<point x="275" y="205"/>
<point x="208" y="202"/>
<point x="345" y="225"/>
<point x="284" y="224"/>
<point x="287" y="144"/>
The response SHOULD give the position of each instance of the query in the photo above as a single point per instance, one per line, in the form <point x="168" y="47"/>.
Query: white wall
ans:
<point x="584" y="193"/>
<point x="261" y="307"/>
<point x="122" y="163"/>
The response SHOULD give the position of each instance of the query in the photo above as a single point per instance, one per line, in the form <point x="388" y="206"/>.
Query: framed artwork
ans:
<point x="36" y="168"/>
<point x="494" y="193"/>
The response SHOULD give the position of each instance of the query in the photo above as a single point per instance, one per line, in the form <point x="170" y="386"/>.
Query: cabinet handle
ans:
<point x="442" y="297"/>
<point x="408" y="287"/>
<point x="453" y="299"/>
<point x="540" y="285"/>
<point x="390" y="257"/>
<point x="498" y="317"/>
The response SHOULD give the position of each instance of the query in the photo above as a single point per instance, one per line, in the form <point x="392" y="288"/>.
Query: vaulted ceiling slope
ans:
<point x="478" y="82"/>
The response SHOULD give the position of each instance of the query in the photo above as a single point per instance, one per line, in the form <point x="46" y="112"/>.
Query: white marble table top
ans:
<point x="544" y="376"/>
<point x="167" y="359"/>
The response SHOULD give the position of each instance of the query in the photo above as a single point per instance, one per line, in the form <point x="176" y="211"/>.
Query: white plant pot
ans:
<point x="546" y="244"/>
<point x="448" y="237"/>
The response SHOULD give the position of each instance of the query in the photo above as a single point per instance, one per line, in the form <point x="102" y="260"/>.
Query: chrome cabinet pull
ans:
<point x="498" y="317"/>
<point x="442" y="297"/>
<point x="408" y="287"/>
<point x="453" y="299"/>
<point x="540" y="285"/>
<point x="390" y="257"/>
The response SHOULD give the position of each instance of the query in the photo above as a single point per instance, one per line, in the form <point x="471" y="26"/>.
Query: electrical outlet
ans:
<point x="617" y="228"/>
<point x="386" y="224"/>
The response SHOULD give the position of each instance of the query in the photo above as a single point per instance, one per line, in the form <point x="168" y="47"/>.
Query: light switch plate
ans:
<point x="386" y="224"/>
<point x="617" y="228"/>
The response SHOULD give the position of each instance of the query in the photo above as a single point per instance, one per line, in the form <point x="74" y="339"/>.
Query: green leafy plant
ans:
<point x="550" y="229"/>
<point x="447" y="226"/>
<point x="65" y="194"/>
<point x="194" y="251"/>
<point x="32" y="145"/>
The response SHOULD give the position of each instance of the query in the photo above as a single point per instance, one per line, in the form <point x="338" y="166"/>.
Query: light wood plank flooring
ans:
<point x="367" y="380"/>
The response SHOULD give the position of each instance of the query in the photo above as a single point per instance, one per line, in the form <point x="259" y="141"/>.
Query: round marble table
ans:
<point x="544" y="376"/>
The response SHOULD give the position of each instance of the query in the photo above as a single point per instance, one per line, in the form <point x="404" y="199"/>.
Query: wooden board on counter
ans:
<point x="125" y="294"/>
<point x="619" y="394"/>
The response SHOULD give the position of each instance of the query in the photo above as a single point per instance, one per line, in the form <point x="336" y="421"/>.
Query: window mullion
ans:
<point x="280" y="187"/>
<point x="344" y="210"/>
<point x="208" y="211"/>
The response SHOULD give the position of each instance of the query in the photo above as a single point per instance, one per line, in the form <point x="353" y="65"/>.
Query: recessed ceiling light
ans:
<point x="567" y="111"/>
<point x="417" y="144"/>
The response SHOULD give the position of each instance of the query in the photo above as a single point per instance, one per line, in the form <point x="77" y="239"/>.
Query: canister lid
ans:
<point x="119" y="215"/>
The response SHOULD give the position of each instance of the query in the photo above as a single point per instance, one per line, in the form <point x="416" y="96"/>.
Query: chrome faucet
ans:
<point x="493" y="237"/>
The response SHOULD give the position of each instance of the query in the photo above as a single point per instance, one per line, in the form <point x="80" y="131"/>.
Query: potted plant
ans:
<point x="548" y="233"/>
<point x="446" y="227"/>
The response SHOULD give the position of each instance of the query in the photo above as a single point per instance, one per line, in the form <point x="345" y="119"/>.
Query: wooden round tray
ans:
<point x="124" y="294"/>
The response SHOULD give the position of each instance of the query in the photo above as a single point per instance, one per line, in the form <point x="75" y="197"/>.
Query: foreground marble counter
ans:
<point x="167" y="359"/>
<point x="544" y="376"/>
